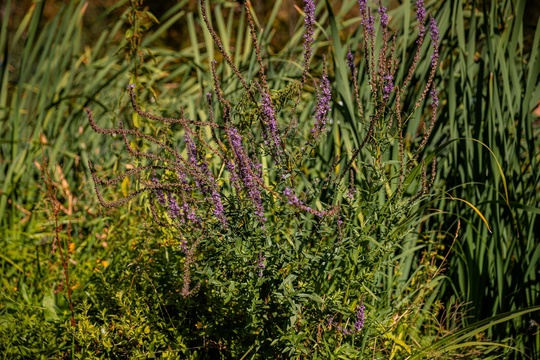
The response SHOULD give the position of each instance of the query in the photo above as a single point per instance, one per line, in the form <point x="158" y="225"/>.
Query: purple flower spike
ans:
<point x="205" y="181"/>
<point x="322" y="110"/>
<point x="245" y="170"/>
<point x="434" y="32"/>
<point x="309" y="23"/>
<point x="435" y="38"/>
<point x="184" y="246"/>
<point x="420" y="11"/>
<point x="363" y="6"/>
<point x="421" y="17"/>
<point x="219" y="211"/>
<point x="270" y="119"/>
<point x="367" y="19"/>
<point x="370" y="25"/>
<point x="359" y="323"/>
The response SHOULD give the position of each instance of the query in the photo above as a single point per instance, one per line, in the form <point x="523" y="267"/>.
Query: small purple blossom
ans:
<point x="434" y="32"/>
<point x="261" y="264"/>
<point x="351" y="192"/>
<point x="363" y="6"/>
<point x="182" y="178"/>
<point x="292" y="199"/>
<point x="190" y="214"/>
<point x="219" y="211"/>
<point x="358" y="323"/>
<point x="174" y="209"/>
<point x="291" y="196"/>
<point x="384" y="17"/>
<point x="235" y="180"/>
<point x="388" y="85"/>
<point x="184" y="246"/>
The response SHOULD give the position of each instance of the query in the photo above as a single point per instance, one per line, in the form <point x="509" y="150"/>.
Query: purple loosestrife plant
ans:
<point x="324" y="239"/>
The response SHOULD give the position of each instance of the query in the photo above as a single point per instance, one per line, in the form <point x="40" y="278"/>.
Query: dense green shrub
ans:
<point x="282" y="240"/>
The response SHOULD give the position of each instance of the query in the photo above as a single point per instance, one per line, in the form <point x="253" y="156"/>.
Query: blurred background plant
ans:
<point x="426" y="299"/>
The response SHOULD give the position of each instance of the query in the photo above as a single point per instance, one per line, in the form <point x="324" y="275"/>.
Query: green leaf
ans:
<point x="49" y="307"/>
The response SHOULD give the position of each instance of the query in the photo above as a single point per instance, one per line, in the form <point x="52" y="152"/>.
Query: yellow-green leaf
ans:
<point x="125" y="186"/>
